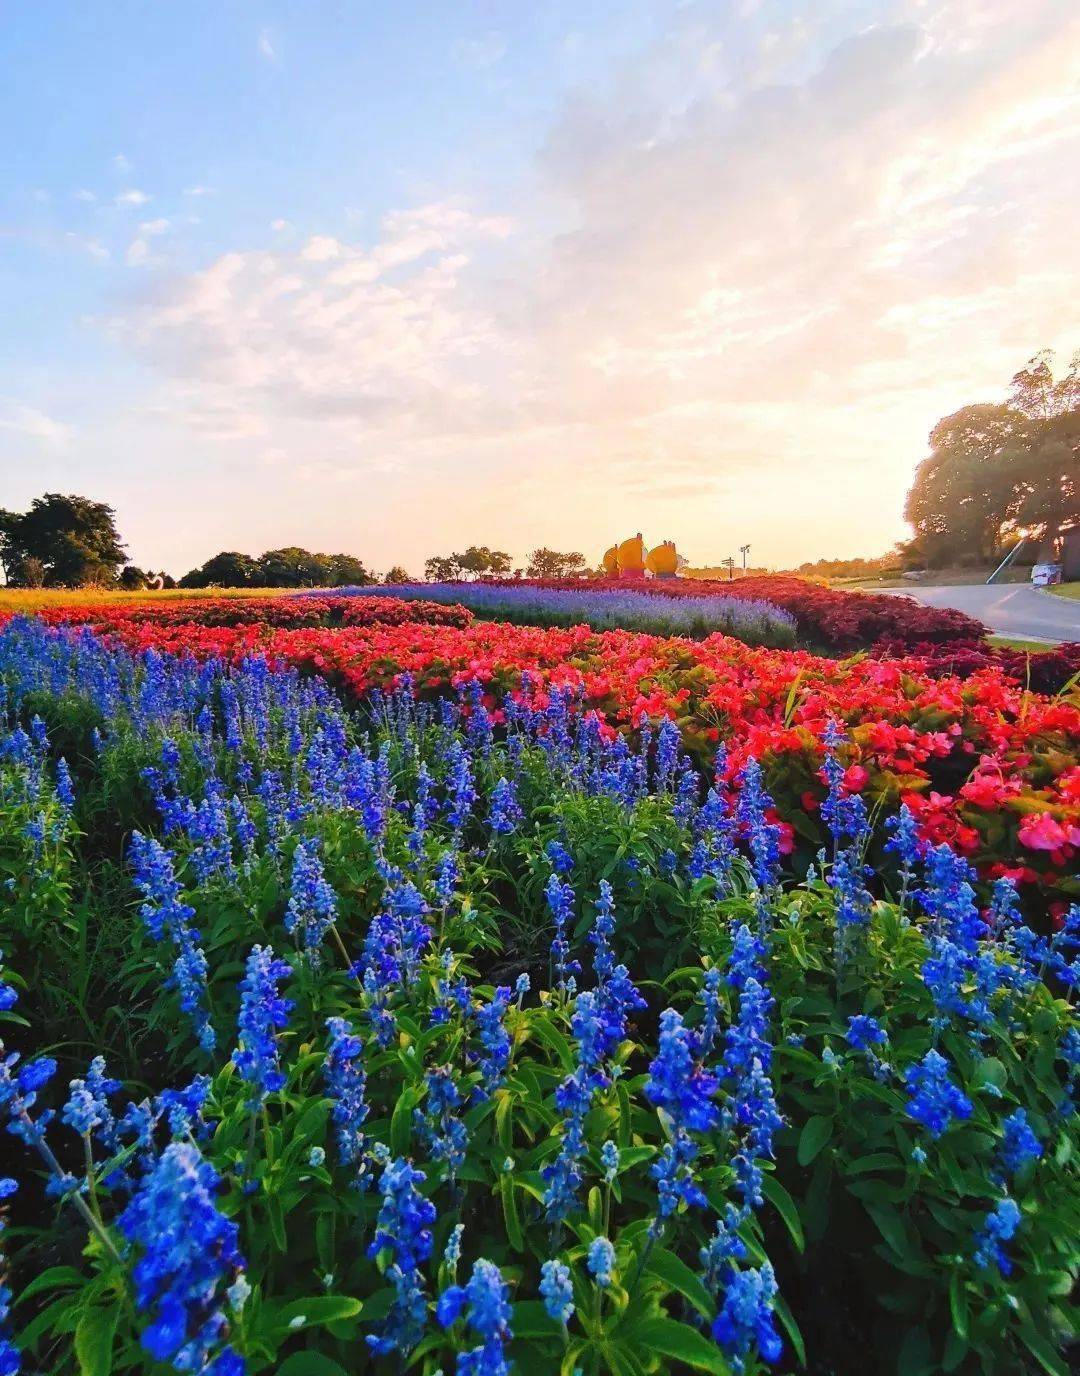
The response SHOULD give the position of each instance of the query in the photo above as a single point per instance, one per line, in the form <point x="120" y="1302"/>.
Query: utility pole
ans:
<point x="744" y="550"/>
<point x="729" y="564"/>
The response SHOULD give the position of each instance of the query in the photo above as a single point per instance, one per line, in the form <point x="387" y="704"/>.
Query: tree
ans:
<point x="344" y="570"/>
<point x="549" y="563"/>
<point x="132" y="578"/>
<point x="998" y="471"/>
<point x="442" y="568"/>
<point x="74" y="538"/>
<point x="398" y="575"/>
<point x="225" y="570"/>
<point x="291" y="567"/>
<point x="479" y="560"/>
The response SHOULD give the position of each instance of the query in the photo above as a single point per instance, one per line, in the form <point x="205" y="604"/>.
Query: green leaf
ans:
<point x="510" y="1210"/>
<point x="94" y="1340"/>
<point x="309" y="1364"/>
<point x="786" y="1207"/>
<point x="816" y="1132"/>
<point x="1044" y="1352"/>
<point x="676" y="1274"/>
<point x="683" y="1343"/>
<point x="51" y="1279"/>
<point x="531" y="1320"/>
<point x="890" y="1226"/>
<point x="401" y="1122"/>
<point x="317" y="1309"/>
<point x="958" y="1304"/>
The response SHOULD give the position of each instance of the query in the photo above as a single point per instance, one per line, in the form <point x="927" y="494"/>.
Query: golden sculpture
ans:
<point x="629" y="559"/>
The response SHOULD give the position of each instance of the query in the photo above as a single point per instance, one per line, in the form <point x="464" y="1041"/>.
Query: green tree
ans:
<point x="344" y="570"/>
<point x="225" y="570"/>
<point x="74" y="539"/>
<point x="291" y="567"/>
<point x="442" y="568"/>
<point x="132" y="578"/>
<point x="549" y="563"/>
<point x="398" y="575"/>
<point x="998" y="470"/>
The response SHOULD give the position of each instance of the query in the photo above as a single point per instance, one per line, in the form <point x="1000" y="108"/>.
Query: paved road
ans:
<point x="1013" y="609"/>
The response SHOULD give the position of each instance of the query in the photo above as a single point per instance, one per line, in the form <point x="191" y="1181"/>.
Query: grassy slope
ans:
<point x="1067" y="590"/>
<point x="28" y="599"/>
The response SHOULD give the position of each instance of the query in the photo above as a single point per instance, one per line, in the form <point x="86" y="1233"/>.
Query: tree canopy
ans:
<point x="475" y="562"/>
<point x="291" y="567"/>
<point x="61" y="541"/>
<point x="999" y="470"/>
<point x="549" y="563"/>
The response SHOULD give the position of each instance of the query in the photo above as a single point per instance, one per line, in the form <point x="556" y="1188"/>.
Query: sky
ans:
<point x="396" y="279"/>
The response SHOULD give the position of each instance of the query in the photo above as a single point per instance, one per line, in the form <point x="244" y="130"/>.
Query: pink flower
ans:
<point x="1039" y="831"/>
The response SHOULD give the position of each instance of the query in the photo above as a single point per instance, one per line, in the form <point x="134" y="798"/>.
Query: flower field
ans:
<point x="390" y="990"/>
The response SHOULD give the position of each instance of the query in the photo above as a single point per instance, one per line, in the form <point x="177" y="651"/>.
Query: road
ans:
<point x="1012" y="609"/>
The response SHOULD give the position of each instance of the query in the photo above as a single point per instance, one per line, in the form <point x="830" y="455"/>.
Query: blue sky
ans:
<point x="393" y="279"/>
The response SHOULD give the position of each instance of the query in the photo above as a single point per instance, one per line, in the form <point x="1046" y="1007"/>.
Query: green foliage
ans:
<point x="61" y="541"/>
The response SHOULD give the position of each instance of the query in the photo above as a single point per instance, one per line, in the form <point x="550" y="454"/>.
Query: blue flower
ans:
<point x="189" y="1258"/>
<point x="312" y="908"/>
<point x="746" y="1318"/>
<point x="346" y="1083"/>
<point x="998" y="1227"/>
<point x="263" y="1012"/>
<point x="1019" y="1143"/>
<point x="933" y="1099"/>
<point x="601" y="1260"/>
<point x="495" y="1040"/>
<point x="403" y="1228"/>
<point x="864" y="1031"/>
<point x="557" y="1291"/>
<point x="484" y="1301"/>
<point x="505" y="814"/>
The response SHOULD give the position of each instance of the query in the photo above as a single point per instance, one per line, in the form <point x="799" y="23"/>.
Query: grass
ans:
<point x="936" y="578"/>
<point x="1071" y="590"/>
<point x="29" y="599"/>
<point x="1007" y="642"/>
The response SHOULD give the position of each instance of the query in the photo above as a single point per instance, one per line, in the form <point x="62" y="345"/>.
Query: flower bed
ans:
<point x="323" y="1056"/>
<point x="755" y="622"/>
<point x="829" y="618"/>
<point x="985" y="764"/>
<point x="357" y="609"/>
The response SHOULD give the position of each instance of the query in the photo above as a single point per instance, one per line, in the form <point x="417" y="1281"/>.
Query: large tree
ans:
<point x="999" y="470"/>
<point x="71" y="540"/>
<point x="225" y="570"/>
<point x="549" y="563"/>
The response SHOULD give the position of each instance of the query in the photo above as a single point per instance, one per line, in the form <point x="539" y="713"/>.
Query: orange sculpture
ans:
<point x="629" y="559"/>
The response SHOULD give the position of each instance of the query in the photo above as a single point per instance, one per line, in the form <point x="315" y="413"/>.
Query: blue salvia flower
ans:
<point x="9" y="996"/>
<point x="18" y="1095"/>
<point x="65" y="791"/>
<point x="864" y="1032"/>
<point x="346" y="1085"/>
<point x="382" y="1020"/>
<point x="617" y="996"/>
<point x="312" y="908"/>
<point x="601" y="1261"/>
<point x="440" y="1129"/>
<point x="904" y="842"/>
<point x="403" y="1229"/>
<point x="10" y="1362"/>
<point x="557" y="1291"/>
<point x="399" y="934"/>
<point x="485" y="1302"/>
<point x="668" y="749"/>
<point x="609" y="1159"/>
<point x="847" y="879"/>
<point x="495" y="1040"/>
<point x="560" y="901"/>
<point x="762" y="835"/>
<point x="933" y="1099"/>
<point x="505" y="814"/>
<point x="679" y="1085"/>
<point x="87" y="1109"/>
<point x="573" y="1098"/>
<point x="461" y="792"/>
<point x="1019" y="1143"/>
<point x="948" y="897"/>
<point x="188" y="1259"/>
<point x="710" y="999"/>
<point x="446" y="878"/>
<point x="559" y="858"/>
<point x="166" y="915"/>
<point x="452" y="1250"/>
<point x="843" y="812"/>
<point x="998" y="1227"/>
<point x="746" y="1319"/>
<point x="263" y="1012"/>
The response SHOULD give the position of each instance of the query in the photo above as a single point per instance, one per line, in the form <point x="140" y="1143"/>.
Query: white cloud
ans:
<point x="480" y="53"/>
<point x="159" y="226"/>
<point x="83" y="195"/>
<point x="122" y="165"/>
<point x="780" y="263"/>
<point x="280" y="226"/>
<point x="265" y="48"/>
<point x="34" y="424"/>
<point x="94" y="247"/>
<point x="133" y="196"/>
<point x="198" y="191"/>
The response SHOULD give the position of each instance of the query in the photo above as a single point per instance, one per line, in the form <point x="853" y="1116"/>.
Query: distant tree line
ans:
<point x="291" y="567"/>
<point x="996" y="472"/>
<point x="478" y="561"/>
<point x="66" y="541"/>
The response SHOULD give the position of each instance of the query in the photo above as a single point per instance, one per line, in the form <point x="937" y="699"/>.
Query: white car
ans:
<point x="1043" y="575"/>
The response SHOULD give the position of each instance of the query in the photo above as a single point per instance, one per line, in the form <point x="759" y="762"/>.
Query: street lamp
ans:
<point x="744" y="550"/>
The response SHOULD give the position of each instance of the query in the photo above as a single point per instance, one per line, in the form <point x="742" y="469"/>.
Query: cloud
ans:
<point x="198" y="191"/>
<point x="28" y="421"/>
<point x="159" y="226"/>
<point x="83" y="195"/>
<point x="122" y="165"/>
<point x="479" y="54"/>
<point x="265" y="48"/>
<point x="756" y="259"/>
<point x="280" y="226"/>
<point x="94" y="247"/>
<point x="133" y="196"/>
